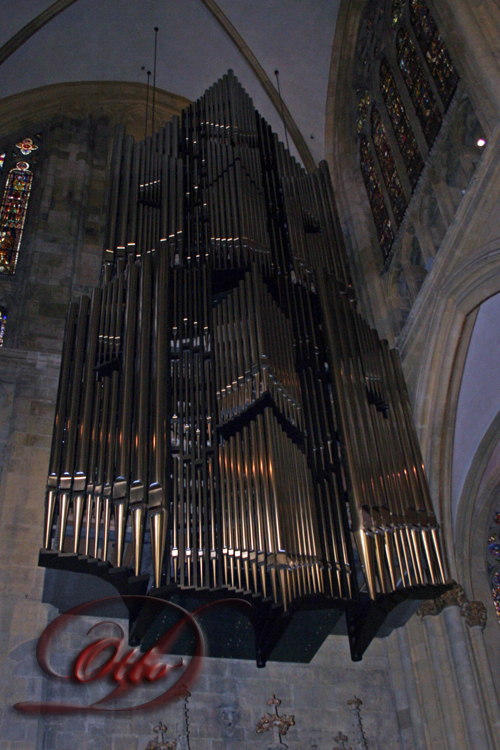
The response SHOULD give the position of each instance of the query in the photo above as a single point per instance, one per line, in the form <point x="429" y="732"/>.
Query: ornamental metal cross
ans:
<point x="271" y="722"/>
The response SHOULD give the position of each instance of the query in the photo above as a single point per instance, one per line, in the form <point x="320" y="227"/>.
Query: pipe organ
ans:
<point x="226" y="420"/>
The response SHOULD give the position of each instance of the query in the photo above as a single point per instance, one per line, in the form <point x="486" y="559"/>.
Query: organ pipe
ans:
<point x="222" y="401"/>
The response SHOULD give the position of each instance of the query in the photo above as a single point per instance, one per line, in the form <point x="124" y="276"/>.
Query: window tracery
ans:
<point x="388" y="166"/>
<point x="400" y="122"/>
<point x="423" y="99"/>
<point x="440" y="64"/>
<point x="493" y="560"/>
<point x="26" y="146"/>
<point x="13" y="214"/>
<point x="373" y="187"/>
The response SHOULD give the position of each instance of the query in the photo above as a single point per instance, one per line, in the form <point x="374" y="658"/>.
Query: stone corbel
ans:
<point x="474" y="612"/>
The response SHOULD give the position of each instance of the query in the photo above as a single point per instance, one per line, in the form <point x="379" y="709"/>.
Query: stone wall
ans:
<point x="61" y="249"/>
<point x="226" y="702"/>
<point x="60" y="256"/>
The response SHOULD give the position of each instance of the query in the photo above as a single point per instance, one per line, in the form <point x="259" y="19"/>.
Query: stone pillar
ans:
<point x="450" y="702"/>
<point x="411" y="690"/>
<point x="401" y="694"/>
<point x="476" y="617"/>
<point x="458" y="661"/>
<point x="476" y="723"/>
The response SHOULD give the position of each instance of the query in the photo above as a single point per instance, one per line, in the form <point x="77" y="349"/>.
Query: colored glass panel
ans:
<point x="495" y="551"/>
<point x="13" y="214"/>
<point x="3" y="321"/>
<point x="397" y="11"/>
<point x="26" y="146"/>
<point x="496" y="598"/>
<point x="493" y="560"/>
<point x="418" y="87"/>
<point x="440" y="64"/>
<point x="381" y="218"/>
<point x="401" y="123"/>
<point x="388" y="166"/>
<point x="363" y="105"/>
<point x="2" y="159"/>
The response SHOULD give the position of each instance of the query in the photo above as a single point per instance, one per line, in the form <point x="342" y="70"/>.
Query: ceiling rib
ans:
<point x="32" y="27"/>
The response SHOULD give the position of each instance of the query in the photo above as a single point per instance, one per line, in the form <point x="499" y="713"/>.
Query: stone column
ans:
<point x="401" y="698"/>
<point x="476" y="617"/>
<point x="458" y="660"/>
<point x="464" y="669"/>
<point x="411" y="690"/>
<point x="450" y="702"/>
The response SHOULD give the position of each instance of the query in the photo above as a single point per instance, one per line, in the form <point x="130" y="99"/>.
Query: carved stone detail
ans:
<point x="475" y="614"/>
<point x="455" y="597"/>
<point x="228" y="712"/>
<point x="430" y="607"/>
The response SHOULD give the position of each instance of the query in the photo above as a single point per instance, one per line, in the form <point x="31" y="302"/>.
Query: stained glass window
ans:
<point x="421" y="94"/>
<point x="400" y="122"/>
<point x="440" y="63"/>
<point x="12" y="215"/>
<point x="3" y="321"/>
<point x="493" y="560"/>
<point x="363" y="105"/>
<point x="26" y="146"/>
<point x="388" y="166"/>
<point x="383" y="224"/>
<point x="397" y="11"/>
<point x="2" y="159"/>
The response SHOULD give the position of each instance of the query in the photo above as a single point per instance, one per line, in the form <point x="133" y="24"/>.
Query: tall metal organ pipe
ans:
<point x="222" y="402"/>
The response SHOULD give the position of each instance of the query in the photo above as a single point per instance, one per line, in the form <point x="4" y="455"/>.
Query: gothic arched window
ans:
<point x="388" y="166"/>
<point x="381" y="218"/>
<point x="418" y="87"/>
<point x="13" y="214"/>
<point x="493" y="560"/>
<point x="440" y="64"/>
<point x="400" y="122"/>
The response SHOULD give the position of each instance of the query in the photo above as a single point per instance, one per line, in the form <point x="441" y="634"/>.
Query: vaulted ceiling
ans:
<point x="92" y="40"/>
